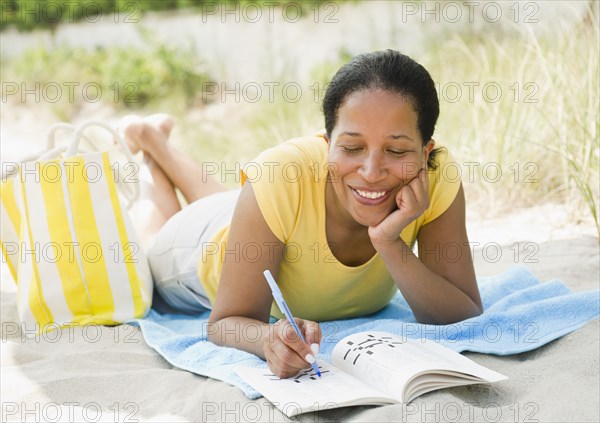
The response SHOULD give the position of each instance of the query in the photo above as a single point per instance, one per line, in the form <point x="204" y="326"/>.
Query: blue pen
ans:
<point x="288" y="314"/>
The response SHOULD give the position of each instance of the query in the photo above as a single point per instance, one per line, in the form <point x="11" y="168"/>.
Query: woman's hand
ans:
<point x="285" y="352"/>
<point x="412" y="200"/>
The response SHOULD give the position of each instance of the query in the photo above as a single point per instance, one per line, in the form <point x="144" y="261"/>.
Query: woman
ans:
<point x="333" y="216"/>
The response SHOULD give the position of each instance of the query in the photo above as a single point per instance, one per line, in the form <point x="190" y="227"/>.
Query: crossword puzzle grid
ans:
<point x="369" y="346"/>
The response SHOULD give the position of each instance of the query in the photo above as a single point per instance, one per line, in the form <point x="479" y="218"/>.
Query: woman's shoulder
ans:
<point x="309" y="147"/>
<point x="282" y="181"/>
<point x="444" y="183"/>
<point x="443" y="155"/>
<point x="445" y="169"/>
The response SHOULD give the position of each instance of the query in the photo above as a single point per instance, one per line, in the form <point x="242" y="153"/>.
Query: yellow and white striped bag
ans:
<point x="68" y="240"/>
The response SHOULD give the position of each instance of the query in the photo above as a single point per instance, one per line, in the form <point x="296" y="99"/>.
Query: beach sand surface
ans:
<point x="110" y="374"/>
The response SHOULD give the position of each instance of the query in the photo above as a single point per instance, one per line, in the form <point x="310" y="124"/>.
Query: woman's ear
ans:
<point x="426" y="150"/>
<point x="428" y="147"/>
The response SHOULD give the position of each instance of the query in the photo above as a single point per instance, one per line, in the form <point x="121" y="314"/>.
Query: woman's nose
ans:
<point x="372" y="168"/>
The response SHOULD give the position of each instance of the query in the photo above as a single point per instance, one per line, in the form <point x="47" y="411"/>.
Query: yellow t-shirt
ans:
<point x="289" y="184"/>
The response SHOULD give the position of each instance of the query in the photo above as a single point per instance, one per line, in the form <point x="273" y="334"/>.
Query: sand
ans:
<point x="110" y="374"/>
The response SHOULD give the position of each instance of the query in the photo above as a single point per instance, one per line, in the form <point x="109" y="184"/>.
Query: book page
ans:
<point x="307" y="392"/>
<point x="389" y="362"/>
<point x="364" y="356"/>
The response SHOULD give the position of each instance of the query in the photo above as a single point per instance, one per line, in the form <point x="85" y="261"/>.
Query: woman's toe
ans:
<point x="161" y="121"/>
<point x="130" y="128"/>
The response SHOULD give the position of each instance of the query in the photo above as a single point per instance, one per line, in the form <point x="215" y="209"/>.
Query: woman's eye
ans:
<point x="351" y="150"/>
<point x="397" y="153"/>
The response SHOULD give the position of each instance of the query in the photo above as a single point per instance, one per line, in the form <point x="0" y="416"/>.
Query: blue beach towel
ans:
<point x="521" y="314"/>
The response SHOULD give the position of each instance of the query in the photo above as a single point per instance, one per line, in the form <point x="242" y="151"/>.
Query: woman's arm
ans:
<point x="240" y="315"/>
<point x="440" y="284"/>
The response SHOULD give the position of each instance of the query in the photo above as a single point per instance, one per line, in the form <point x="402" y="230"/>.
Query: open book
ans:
<point x="369" y="368"/>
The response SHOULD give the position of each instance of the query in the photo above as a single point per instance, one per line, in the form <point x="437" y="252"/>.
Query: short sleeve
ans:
<point x="275" y="175"/>
<point x="444" y="183"/>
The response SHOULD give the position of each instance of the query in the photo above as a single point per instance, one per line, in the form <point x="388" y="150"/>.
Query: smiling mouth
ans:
<point x="371" y="194"/>
<point x="370" y="198"/>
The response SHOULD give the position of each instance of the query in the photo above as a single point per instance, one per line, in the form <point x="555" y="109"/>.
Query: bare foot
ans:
<point x="145" y="133"/>
<point x="126" y="127"/>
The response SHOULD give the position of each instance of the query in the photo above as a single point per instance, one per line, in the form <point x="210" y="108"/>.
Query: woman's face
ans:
<point x="375" y="149"/>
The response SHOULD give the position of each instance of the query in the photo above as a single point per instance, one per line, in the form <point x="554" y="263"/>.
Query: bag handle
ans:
<point x="131" y="191"/>
<point x="51" y="133"/>
<point x="51" y="142"/>
<point x="51" y="150"/>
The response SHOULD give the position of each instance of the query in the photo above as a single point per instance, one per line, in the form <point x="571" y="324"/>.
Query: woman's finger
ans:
<point x="425" y="175"/>
<point x="409" y="201"/>
<point x="303" y="353"/>
<point x="280" y="368"/>
<point x="420" y="189"/>
<point x="287" y="360"/>
<point x="420" y="184"/>
<point x="312" y="333"/>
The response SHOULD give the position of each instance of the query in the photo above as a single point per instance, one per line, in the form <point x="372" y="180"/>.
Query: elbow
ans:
<point x="476" y="311"/>
<point x="212" y="330"/>
<point x="215" y="335"/>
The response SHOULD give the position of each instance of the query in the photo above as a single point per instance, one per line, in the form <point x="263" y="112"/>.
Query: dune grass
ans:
<point x="542" y="132"/>
<point x="66" y="78"/>
<point x="519" y="111"/>
<point x="527" y="134"/>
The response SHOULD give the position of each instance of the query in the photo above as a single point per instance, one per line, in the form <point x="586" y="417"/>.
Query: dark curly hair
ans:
<point x="392" y="71"/>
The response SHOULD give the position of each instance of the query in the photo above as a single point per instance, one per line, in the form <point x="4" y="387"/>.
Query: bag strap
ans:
<point x="51" y="133"/>
<point x="52" y="151"/>
<point x="51" y="142"/>
<point x="130" y="190"/>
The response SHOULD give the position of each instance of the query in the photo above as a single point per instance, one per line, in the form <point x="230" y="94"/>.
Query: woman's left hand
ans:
<point x="412" y="200"/>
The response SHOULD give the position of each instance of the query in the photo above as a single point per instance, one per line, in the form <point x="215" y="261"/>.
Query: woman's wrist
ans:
<point x="385" y="245"/>
<point x="240" y="332"/>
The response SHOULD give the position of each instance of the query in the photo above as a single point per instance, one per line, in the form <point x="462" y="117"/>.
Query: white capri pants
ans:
<point x="177" y="247"/>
